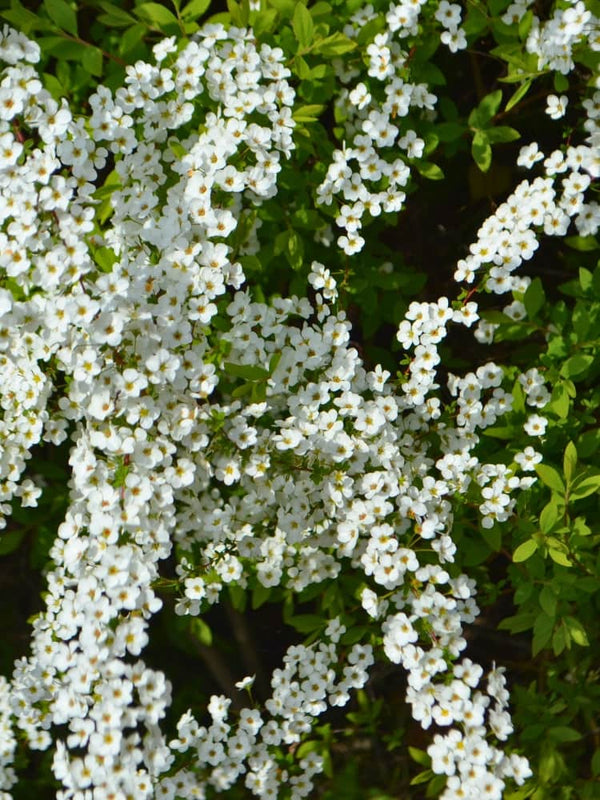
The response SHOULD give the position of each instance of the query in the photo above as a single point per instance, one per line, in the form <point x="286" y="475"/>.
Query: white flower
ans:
<point x="556" y="106"/>
<point x="454" y="39"/>
<point x="535" y="425"/>
<point x="448" y="14"/>
<point x="163" y="48"/>
<point x="529" y="155"/>
<point x="360" y="96"/>
<point x="246" y="683"/>
<point x="528" y="458"/>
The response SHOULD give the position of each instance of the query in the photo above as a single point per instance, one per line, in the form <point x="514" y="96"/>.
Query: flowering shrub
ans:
<point x="194" y="207"/>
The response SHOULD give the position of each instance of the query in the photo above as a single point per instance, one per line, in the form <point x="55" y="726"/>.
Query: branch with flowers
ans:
<point x="199" y="264"/>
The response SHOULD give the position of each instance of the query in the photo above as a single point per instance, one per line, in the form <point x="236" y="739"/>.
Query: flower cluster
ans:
<point x="120" y="313"/>
<point x="223" y="752"/>
<point x="510" y="235"/>
<point x="246" y="440"/>
<point x="554" y="40"/>
<point x="8" y="741"/>
<point x="365" y="179"/>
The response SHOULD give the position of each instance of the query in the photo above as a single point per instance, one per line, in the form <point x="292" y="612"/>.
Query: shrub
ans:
<point x="266" y="429"/>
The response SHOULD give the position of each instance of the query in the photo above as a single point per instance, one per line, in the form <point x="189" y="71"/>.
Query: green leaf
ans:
<point x="10" y="541"/>
<point x="436" y="786"/>
<point x="525" y="24"/>
<point x="584" y="244"/>
<point x="589" y="585"/>
<point x="475" y="22"/>
<point x="303" y="26"/>
<point x="115" y="17"/>
<point x="309" y="113"/>
<point x="239" y="12"/>
<point x="518" y="95"/>
<point x="534" y="298"/>
<point x="201" y="631"/>
<point x="501" y="432"/>
<point x="588" y="442"/>
<point x="497" y="317"/>
<point x="265" y="22"/>
<point x="525" y="551"/>
<point x="22" y="19"/>
<point x="561" y="82"/>
<point x="493" y="538"/>
<point x="308" y="219"/>
<point x="321" y="9"/>
<point x="576" y="631"/>
<point x="551" y="478"/>
<point x="519" y="623"/>
<point x="62" y="48"/>
<point x="576" y="366"/>
<point x="131" y="38"/>
<point x="426" y="72"/>
<point x="285" y="7"/>
<point x="248" y="372"/>
<point x="449" y="131"/>
<point x="242" y="390"/>
<point x="584" y="486"/>
<point x="420" y="756"/>
<point x="238" y="597"/>
<point x="260" y="595"/>
<point x="560" y="402"/>
<point x="486" y="109"/>
<point x="310" y="746"/>
<point x="431" y="142"/>
<point x="301" y="68"/>
<point x="548" y="601"/>
<point x="586" y="278"/>
<point x="355" y="634"/>
<point x="258" y="393"/>
<point x="369" y="31"/>
<point x="559" y="639"/>
<point x="177" y="148"/>
<point x="105" y="258"/>
<point x="562" y="733"/>
<point x="54" y="86"/>
<point x="559" y="557"/>
<point x="582" y="320"/>
<point x="542" y="633"/>
<point x="580" y="528"/>
<point x="422" y="777"/>
<point x="294" y="250"/>
<point x="518" y="398"/>
<point x="306" y="623"/>
<point x="429" y="170"/>
<point x="523" y="593"/>
<point x="481" y="151"/>
<point x="550" y="515"/>
<point x="569" y="461"/>
<point x="195" y="9"/>
<point x="157" y="16"/>
<point x="62" y="15"/>
<point x="92" y="60"/>
<point x="502" y="134"/>
<point x="335" y="45"/>
<point x="550" y="765"/>
<point x="448" y="109"/>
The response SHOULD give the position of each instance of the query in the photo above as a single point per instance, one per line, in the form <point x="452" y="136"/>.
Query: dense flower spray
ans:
<point x="126" y="327"/>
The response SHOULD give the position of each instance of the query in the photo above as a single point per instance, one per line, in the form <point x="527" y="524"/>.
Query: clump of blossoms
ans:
<point x="126" y="327"/>
<point x="548" y="205"/>
<point x="554" y="40"/>
<point x="379" y="113"/>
